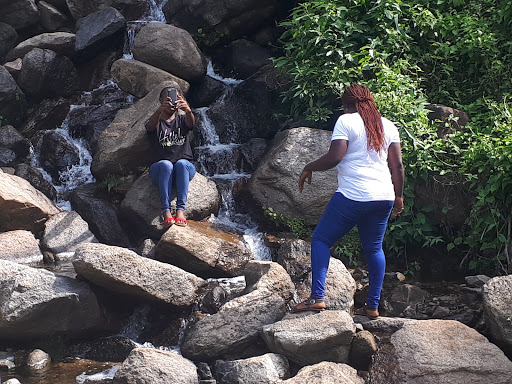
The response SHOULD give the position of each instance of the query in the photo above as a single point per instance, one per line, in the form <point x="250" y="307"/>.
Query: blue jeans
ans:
<point x="164" y="173"/>
<point x="340" y="216"/>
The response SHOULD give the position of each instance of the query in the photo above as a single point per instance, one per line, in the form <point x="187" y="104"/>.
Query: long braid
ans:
<point x="361" y="97"/>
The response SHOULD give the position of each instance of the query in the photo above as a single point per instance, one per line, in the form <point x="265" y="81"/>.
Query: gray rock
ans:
<point x="65" y="232"/>
<point x="238" y="322"/>
<point x="243" y="58"/>
<point x="497" y="300"/>
<point x="440" y="351"/>
<point x="131" y="9"/>
<point x="301" y="338"/>
<point x="38" y="360"/>
<point x="22" y="206"/>
<point x="476" y="281"/>
<point x="274" y="183"/>
<point x="12" y="139"/>
<point x="268" y="368"/>
<point x="7" y="157"/>
<point x="138" y="78"/>
<point x="14" y="67"/>
<point x="37" y="303"/>
<point x="147" y="249"/>
<point x="326" y="373"/>
<point x="19" y="14"/>
<point x="7" y="361"/>
<point x="51" y="18"/>
<point x="12" y="99"/>
<point x="181" y="56"/>
<point x="153" y="366"/>
<point x="48" y="115"/>
<point x="20" y="247"/>
<point x="8" y="39"/>
<point x="406" y="296"/>
<point x="62" y="43"/>
<point x="203" y="250"/>
<point x="57" y="154"/>
<point x="206" y="91"/>
<point x="35" y="177"/>
<point x="144" y="214"/>
<point x="363" y="347"/>
<point x="123" y="271"/>
<point x="387" y="325"/>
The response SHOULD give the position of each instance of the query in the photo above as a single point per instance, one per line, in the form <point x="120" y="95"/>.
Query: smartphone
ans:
<point x="172" y="93"/>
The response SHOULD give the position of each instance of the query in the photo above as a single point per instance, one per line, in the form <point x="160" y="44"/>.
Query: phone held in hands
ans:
<point x="172" y="93"/>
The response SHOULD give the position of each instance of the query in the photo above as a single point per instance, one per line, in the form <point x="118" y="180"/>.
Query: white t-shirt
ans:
<point x="363" y="175"/>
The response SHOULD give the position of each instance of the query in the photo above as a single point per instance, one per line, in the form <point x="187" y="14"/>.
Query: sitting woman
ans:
<point x="172" y="148"/>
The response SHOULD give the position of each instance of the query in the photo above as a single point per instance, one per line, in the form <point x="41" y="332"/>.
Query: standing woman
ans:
<point x="172" y="148"/>
<point x="365" y="149"/>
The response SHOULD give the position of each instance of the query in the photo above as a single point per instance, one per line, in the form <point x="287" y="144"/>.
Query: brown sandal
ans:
<point x="310" y="304"/>
<point x="371" y="313"/>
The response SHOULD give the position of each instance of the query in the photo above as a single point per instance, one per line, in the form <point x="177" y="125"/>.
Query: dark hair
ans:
<point x="361" y="97"/>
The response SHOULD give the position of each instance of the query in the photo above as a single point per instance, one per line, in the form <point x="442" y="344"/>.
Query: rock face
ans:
<point x="181" y="56"/>
<point x="20" y="14"/>
<point x="268" y="368"/>
<point x="22" y="206"/>
<point x="65" y="232"/>
<point x="326" y="373"/>
<point x="203" y="250"/>
<point x="123" y="271"/>
<point x="36" y="303"/>
<point x="274" y="184"/>
<point x="237" y="324"/>
<point x="12" y="99"/>
<point x="309" y="339"/>
<point x="153" y="366"/>
<point x="20" y="247"/>
<point x="497" y="301"/>
<point x="62" y="43"/>
<point x="138" y="78"/>
<point x="144" y="214"/>
<point x="51" y="18"/>
<point x="440" y="351"/>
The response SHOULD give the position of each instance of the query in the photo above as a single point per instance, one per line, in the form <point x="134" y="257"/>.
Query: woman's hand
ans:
<point x="305" y="176"/>
<point x="398" y="207"/>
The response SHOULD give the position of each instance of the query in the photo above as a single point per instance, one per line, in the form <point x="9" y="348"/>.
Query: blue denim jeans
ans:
<point x="340" y="216"/>
<point x="164" y="173"/>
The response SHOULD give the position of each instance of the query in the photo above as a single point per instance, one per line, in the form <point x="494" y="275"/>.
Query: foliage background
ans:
<point x="410" y="53"/>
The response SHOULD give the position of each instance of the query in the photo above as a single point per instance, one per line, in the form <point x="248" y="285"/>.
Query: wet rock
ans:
<point x="239" y="321"/>
<point x="57" y="154"/>
<point x="326" y="373"/>
<point x="7" y="361"/>
<point x="62" y="43"/>
<point x="201" y="249"/>
<point x="22" y="206"/>
<point x="45" y="74"/>
<point x="47" y="115"/>
<point x="35" y="177"/>
<point x="20" y="247"/>
<point x="37" y="303"/>
<point x="51" y="18"/>
<point x="253" y="152"/>
<point x="100" y="215"/>
<point x="404" y="297"/>
<point x="153" y="366"/>
<point x="12" y="99"/>
<point x="274" y="183"/>
<point x="267" y="368"/>
<point x="65" y="232"/>
<point x="38" y="360"/>
<point x="8" y="39"/>
<point x="99" y="31"/>
<point x="113" y="349"/>
<point x="144" y="214"/>
<point x="214" y="299"/>
<point x="363" y="347"/>
<point x="138" y="78"/>
<point x="302" y="340"/>
<point x="242" y="58"/>
<point x="123" y="271"/>
<point x="476" y="281"/>
<point x="439" y="351"/>
<point x="181" y="57"/>
<point x="206" y="91"/>
<point x="7" y="157"/>
<point x="19" y="14"/>
<point x="10" y="138"/>
<point x="497" y="300"/>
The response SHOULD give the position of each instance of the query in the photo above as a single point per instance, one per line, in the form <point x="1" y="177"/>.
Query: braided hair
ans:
<point x="361" y="97"/>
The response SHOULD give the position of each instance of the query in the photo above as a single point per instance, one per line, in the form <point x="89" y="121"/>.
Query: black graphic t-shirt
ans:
<point x="172" y="142"/>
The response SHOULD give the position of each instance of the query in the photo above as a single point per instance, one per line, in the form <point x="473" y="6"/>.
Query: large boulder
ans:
<point x="35" y="177"/>
<point x="47" y="115"/>
<point x="12" y="139"/>
<point x="497" y="301"/>
<point x="326" y="373"/>
<point x="45" y="74"/>
<point x="154" y="366"/>
<point x="19" y="14"/>
<point x="275" y="182"/>
<point x="20" y="247"/>
<point x="62" y="43"/>
<point x="99" y="31"/>
<point x="440" y="351"/>
<point x="242" y="58"/>
<point x="238" y="322"/>
<point x="123" y="271"/>
<point x="57" y="154"/>
<point x="22" y="206"/>
<point x="203" y="250"/>
<point x="268" y="368"/>
<point x="144" y="214"/>
<point x="138" y="78"/>
<point x="65" y="232"/>
<point x="181" y="56"/>
<point x="131" y="9"/>
<point x="36" y="303"/>
<point x="52" y="19"/>
<point x="301" y="340"/>
<point x="8" y="39"/>
<point x="12" y="99"/>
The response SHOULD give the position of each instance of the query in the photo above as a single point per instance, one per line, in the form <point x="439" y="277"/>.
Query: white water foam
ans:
<point x="100" y="377"/>
<point x="226" y="80"/>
